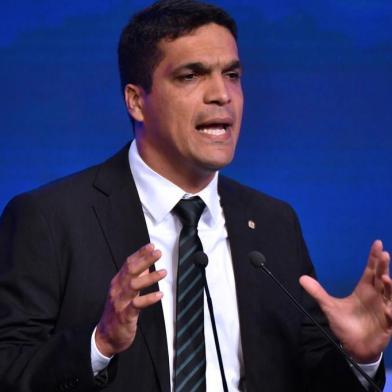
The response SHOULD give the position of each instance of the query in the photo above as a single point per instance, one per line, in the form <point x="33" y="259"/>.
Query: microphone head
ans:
<point x="200" y="259"/>
<point x="257" y="259"/>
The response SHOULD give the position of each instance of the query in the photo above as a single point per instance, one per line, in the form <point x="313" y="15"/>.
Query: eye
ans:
<point x="188" y="77"/>
<point x="233" y="75"/>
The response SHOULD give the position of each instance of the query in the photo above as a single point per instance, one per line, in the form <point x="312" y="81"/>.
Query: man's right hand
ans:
<point x="116" y="329"/>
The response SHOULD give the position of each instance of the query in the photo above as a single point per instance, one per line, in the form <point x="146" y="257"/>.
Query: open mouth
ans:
<point x="215" y="129"/>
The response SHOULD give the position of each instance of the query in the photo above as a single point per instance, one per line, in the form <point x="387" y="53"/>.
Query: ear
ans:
<point x="133" y="96"/>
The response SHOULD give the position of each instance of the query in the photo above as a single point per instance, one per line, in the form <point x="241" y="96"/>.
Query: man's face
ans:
<point x="192" y="116"/>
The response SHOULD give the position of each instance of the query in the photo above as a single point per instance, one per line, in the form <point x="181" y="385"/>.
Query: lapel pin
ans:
<point x="251" y="224"/>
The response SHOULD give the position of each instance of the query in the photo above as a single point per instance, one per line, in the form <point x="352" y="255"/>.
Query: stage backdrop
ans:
<point x="317" y="125"/>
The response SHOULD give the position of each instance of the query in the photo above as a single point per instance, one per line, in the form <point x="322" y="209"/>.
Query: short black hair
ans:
<point x="138" y="52"/>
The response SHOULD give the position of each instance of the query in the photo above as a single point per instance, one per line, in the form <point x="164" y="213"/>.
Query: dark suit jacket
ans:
<point x="59" y="248"/>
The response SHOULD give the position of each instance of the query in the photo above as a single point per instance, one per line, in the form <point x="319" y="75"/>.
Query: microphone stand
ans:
<point x="201" y="260"/>
<point x="258" y="260"/>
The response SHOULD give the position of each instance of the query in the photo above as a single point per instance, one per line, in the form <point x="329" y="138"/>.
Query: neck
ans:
<point x="189" y="178"/>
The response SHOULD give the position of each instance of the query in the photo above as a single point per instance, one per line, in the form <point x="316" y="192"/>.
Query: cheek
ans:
<point x="239" y="106"/>
<point x="180" y="115"/>
<point x="159" y="117"/>
<point x="238" y="98"/>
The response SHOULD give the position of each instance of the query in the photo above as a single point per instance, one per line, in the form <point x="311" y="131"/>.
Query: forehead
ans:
<point x="210" y="44"/>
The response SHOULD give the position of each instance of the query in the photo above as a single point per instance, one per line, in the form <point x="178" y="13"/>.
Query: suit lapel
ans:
<point x="120" y="215"/>
<point x="243" y="238"/>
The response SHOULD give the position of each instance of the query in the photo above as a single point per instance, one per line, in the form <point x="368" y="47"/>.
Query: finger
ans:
<point x="315" y="290"/>
<point x="373" y="270"/>
<point x="388" y="313"/>
<point x="374" y="255"/>
<point x="382" y="265"/>
<point x="387" y="288"/>
<point x="141" y="260"/>
<point x="139" y="303"/>
<point x="130" y="286"/>
<point x="146" y="279"/>
<point x="388" y="301"/>
<point x="136" y="265"/>
<point x="381" y="271"/>
<point x="143" y="301"/>
<point x="144" y="253"/>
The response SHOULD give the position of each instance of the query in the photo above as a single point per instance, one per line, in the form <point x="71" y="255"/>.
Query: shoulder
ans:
<point x="62" y="190"/>
<point x="72" y="191"/>
<point x="250" y="198"/>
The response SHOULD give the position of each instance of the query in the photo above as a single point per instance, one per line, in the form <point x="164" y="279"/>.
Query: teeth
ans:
<point x="213" y="131"/>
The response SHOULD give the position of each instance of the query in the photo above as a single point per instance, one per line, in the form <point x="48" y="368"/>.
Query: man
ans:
<point x="88" y="302"/>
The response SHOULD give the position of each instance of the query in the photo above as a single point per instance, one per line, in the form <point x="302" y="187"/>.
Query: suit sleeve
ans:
<point x="325" y="369"/>
<point x="34" y="355"/>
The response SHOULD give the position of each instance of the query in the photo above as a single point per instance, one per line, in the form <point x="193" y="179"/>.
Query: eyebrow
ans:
<point x="200" y="67"/>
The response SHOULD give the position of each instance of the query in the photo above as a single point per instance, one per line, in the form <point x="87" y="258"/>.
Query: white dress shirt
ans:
<point x="158" y="197"/>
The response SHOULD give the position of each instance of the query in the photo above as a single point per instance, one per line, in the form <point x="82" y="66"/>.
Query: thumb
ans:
<point x="315" y="290"/>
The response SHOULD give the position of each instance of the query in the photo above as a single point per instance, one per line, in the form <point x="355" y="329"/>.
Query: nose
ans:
<point x="217" y="91"/>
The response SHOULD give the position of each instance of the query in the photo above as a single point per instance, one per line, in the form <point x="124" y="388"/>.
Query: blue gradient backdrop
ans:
<point x="318" y="118"/>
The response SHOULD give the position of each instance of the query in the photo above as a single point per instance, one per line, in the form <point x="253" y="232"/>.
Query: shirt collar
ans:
<point x="158" y="195"/>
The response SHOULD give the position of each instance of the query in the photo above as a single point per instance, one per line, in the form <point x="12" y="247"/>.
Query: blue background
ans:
<point x="317" y="124"/>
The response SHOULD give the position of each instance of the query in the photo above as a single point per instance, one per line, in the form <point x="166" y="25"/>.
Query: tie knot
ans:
<point x="189" y="210"/>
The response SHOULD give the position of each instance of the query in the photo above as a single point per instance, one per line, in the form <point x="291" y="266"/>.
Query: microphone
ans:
<point x="201" y="260"/>
<point x="258" y="261"/>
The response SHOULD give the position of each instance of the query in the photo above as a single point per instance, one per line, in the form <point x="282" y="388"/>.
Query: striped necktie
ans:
<point x="190" y="357"/>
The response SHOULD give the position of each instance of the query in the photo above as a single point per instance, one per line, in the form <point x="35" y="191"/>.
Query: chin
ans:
<point x="215" y="165"/>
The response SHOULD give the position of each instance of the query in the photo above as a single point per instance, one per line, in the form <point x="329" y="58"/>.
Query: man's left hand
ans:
<point x="362" y="321"/>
